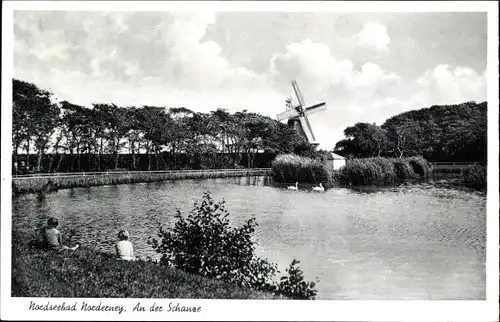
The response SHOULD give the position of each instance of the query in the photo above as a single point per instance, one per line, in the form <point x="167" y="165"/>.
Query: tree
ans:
<point x="116" y="125"/>
<point x="440" y="133"/>
<point x="405" y="137"/>
<point x="35" y="118"/>
<point x="80" y="126"/>
<point x="363" y="140"/>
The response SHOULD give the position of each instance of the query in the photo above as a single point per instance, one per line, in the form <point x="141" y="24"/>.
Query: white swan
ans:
<point x="296" y="187"/>
<point x="320" y="188"/>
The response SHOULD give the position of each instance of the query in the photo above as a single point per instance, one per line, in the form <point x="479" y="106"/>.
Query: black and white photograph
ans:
<point x="169" y="160"/>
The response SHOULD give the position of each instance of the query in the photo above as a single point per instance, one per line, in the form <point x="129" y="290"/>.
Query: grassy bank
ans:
<point x="47" y="184"/>
<point x="294" y="168"/>
<point x="87" y="273"/>
<point x="382" y="171"/>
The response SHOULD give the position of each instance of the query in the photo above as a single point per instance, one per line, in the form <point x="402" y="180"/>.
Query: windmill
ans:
<point x="297" y="115"/>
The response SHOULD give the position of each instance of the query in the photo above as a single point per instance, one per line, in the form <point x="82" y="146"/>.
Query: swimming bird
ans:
<point x="296" y="187"/>
<point x="320" y="188"/>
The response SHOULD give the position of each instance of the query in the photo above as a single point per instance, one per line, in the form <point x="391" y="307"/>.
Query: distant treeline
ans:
<point x="439" y="133"/>
<point x="69" y="137"/>
<point x="143" y="162"/>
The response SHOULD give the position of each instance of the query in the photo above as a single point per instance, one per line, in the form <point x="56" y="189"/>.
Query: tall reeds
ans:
<point x="382" y="171"/>
<point x="294" y="168"/>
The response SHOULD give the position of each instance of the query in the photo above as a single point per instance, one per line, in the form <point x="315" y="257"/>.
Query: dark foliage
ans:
<point x="294" y="286"/>
<point x="475" y="177"/>
<point x="439" y="133"/>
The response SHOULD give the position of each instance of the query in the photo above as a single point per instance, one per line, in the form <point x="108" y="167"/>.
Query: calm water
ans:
<point x="412" y="242"/>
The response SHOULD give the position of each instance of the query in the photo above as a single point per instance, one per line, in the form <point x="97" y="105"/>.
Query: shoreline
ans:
<point x="47" y="182"/>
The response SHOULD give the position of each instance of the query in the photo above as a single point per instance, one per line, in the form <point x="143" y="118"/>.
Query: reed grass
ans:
<point x="382" y="171"/>
<point x="294" y="168"/>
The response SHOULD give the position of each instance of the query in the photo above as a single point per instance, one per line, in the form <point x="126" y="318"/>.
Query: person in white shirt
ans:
<point x="124" y="248"/>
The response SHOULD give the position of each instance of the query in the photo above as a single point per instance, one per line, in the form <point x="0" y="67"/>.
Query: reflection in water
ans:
<point x="408" y="242"/>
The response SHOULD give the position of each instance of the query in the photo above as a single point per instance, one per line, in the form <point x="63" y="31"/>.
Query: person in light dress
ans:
<point x="124" y="248"/>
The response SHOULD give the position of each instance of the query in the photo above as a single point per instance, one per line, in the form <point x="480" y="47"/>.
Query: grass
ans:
<point x="382" y="171"/>
<point x="45" y="184"/>
<point x="87" y="273"/>
<point x="294" y="168"/>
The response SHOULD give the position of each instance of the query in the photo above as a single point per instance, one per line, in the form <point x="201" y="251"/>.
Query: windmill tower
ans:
<point x="296" y="116"/>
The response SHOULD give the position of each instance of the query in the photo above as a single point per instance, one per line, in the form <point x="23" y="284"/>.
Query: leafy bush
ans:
<point x="475" y="177"/>
<point x="381" y="171"/>
<point x="293" y="168"/>
<point x="204" y="243"/>
<point x="294" y="286"/>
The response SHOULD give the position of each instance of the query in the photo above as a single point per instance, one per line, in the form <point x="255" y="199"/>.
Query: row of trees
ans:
<point x="439" y="133"/>
<point x="52" y="130"/>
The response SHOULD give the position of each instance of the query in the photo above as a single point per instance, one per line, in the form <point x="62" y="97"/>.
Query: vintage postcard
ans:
<point x="250" y="161"/>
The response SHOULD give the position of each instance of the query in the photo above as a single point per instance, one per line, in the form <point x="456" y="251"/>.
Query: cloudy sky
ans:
<point x="366" y="67"/>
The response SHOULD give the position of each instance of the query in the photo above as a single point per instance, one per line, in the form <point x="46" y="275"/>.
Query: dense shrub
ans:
<point x="294" y="168"/>
<point x="403" y="169"/>
<point x="294" y="286"/>
<point x="381" y="171"/>
<point x="420" y="166"/>
<point x="204" y="243"/>
<point x="475" y="177"/>
<point x="385" y="170"/>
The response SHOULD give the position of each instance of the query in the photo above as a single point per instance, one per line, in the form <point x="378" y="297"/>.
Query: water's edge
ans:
<point x="45" y="183"/>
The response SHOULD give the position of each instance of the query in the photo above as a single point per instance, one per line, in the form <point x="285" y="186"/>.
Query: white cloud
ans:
<point x="167" y="62"/>
<point x="46" y="52"/>
<point x="448" y="85"/>
<point x="374" y="36"/>
<point x="372" y="74"/>
<point x="312" y="63"/>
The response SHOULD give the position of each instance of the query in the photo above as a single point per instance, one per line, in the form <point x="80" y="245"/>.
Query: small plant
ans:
<point x="294" y="286"/>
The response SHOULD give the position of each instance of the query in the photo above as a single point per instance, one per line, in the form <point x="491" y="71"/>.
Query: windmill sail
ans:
<point x="316" y="108"/>
<point x="306" y="127"/>
<point x="298" y="93"/>
<point x="288" y="114"/>
<point x="297" y="116"/>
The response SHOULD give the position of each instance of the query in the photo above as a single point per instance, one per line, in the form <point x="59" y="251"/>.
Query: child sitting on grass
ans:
<point x="124" y="248"/>
<point x="52" y="237"/>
